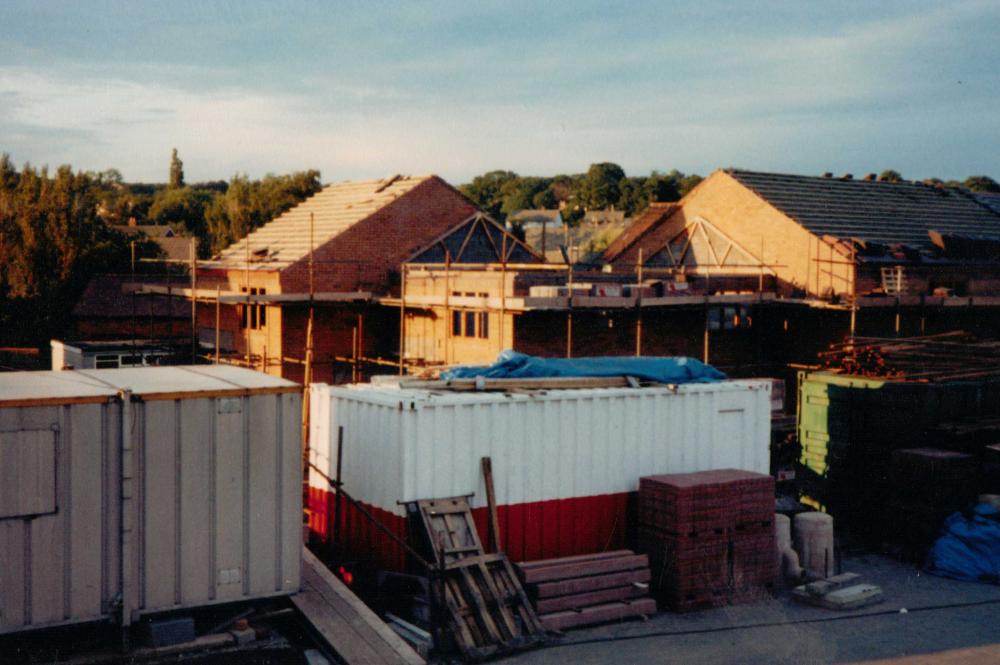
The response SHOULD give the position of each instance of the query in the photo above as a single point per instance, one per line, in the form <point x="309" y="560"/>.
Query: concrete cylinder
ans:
<point x="788" y="560"/>
<point x="813" y="536"/>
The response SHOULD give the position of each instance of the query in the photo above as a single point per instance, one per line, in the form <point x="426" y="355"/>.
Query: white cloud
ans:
<point x="801" y="102"/>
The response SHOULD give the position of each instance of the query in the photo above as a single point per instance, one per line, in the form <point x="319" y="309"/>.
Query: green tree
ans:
<point x="599" y="189"/>
<point x="659" y="187"/>
<point x="519" y="193"/>
<point x="631" y="196"/>
<point x="685" y="183"/>
<point x="176" y="171"/>
<point x="981" y="183"/>
<point x="486" y="192"/>
<point x="51" y="242"/>
<point x="248" y="204"/>
<point x="183" y="208"/>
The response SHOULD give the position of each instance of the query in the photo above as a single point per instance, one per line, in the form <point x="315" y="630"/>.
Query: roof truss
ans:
<point x="701" y="244"/>
<point x="478" y="239"/>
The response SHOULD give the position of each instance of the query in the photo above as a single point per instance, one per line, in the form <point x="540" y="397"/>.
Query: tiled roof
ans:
<point x="538" y="215"/>
<point x="879" y="212"/>
<point x="153" y="231"/>
<point x="335" y="208"/>
<point x="989" y="199"/>
<point x="646" y="220"/>
<point x="175" y="247"/>
<point x="110" y="297"/>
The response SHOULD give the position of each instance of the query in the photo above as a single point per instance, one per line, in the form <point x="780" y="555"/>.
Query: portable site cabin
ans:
<point x="566" y="463"/>
<point x="131" y="491"/>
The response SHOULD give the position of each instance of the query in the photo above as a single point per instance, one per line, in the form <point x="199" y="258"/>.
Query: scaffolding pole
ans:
<point x="194" y="300"/>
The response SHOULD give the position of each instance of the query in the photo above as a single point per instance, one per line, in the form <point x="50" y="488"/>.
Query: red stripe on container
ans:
<point x="528" y="531"/>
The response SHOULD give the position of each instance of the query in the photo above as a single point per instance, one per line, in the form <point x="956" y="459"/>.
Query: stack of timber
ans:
<point x="928" y="485"/>
<point x="487" y="612"/>
<point x="588" y="589"/>
<point x="948" y="356"/>
<point x="709" y="536"/>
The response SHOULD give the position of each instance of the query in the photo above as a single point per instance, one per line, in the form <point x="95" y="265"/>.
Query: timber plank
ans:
<point x="583" y="568"/>
<point x="545" y="563"/>
<point x="360" y="613"/>
<point x="353" y="630"/>
<point x="586" y="599"/>
<point x="581" y="585"/>
<point x="599" y="614"/>
<point x="341" y="637"/>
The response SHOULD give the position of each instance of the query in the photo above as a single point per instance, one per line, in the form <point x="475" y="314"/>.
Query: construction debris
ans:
<point x="592" y="588"/>
<point x="840" y="592"/>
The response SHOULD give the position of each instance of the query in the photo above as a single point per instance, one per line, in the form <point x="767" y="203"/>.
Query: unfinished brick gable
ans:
<point x="797" y="257"/>
<point x="368" y="255"/>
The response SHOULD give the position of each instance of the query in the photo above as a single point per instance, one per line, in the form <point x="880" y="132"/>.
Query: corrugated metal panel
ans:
<point x="27" y="473"/>
<point x="403" y="445"/>
<point x="202" y="494"/>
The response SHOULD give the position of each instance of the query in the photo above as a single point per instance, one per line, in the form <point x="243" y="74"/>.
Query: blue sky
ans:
<point x="367" y="89"/>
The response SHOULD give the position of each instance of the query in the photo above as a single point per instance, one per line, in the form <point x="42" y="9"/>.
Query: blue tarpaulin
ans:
<point x="969" y="547"/>
<point x="514" y="365"/>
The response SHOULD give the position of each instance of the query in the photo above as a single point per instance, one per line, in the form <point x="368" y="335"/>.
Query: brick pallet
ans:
<point x="588" y="589"/>
<point x="709" y="536"/>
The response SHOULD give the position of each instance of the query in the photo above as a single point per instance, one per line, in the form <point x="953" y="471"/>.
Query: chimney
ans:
<point x="828" y="174"/>
<point x="871" y="177"/>
<point x="847" y="176"/>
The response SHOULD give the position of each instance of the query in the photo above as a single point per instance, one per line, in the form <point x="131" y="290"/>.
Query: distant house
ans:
<point x="111" y="308"/>
<point x="531" y="219"/>
<point x="605" y="217"/>
<point x="175" y="247"/>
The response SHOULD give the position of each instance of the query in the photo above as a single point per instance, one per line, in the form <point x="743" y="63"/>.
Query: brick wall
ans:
<point x="368" y="255"/>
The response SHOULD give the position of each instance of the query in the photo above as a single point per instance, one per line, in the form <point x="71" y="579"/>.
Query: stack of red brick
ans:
<point x="709" y="536"/>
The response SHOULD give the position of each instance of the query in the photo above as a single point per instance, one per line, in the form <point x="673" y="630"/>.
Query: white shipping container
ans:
<point x="402" y="445"/>
<point x="130" y="491"/>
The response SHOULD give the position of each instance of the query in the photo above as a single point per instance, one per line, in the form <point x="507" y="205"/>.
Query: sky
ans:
<point x="369" y="89"/>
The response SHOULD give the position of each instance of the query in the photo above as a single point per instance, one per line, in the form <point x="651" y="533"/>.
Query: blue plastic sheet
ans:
<point x="969" y="547"/>
<point x="514" y="365"/>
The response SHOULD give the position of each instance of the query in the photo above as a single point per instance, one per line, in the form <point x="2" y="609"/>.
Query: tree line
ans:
<point x="58" y="229"/>
<point x="217" y="213"/>
<point x="604" y="186"/>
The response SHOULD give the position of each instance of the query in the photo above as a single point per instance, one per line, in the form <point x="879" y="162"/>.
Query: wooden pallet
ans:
<point x="488" y="611"/>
